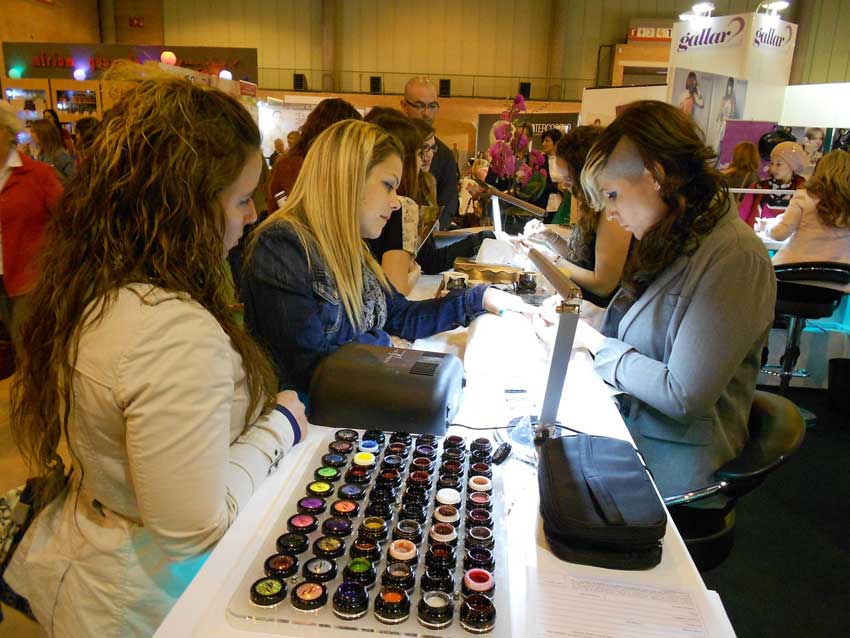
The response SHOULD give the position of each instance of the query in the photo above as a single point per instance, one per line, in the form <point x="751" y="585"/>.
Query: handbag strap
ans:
<point x="608" y="506"/>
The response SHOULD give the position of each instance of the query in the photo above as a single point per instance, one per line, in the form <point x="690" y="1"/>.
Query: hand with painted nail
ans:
<point x="499" y="302"/>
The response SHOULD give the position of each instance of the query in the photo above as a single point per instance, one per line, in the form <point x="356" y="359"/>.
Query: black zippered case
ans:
<point x="598" y="504"/>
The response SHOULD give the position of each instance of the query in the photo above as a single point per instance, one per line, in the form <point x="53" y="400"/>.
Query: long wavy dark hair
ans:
<point x="673" y="150"/>
<point x="144" y="209"/>
<point x="573" y="148"/>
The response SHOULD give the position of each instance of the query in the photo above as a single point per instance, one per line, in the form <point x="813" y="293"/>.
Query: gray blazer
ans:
<point x="688" y="353"/>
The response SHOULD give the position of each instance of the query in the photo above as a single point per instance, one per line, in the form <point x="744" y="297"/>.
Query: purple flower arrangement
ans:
<point x="525" y="171"/>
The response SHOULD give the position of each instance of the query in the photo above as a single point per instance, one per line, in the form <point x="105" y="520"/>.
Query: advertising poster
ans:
<point x="841" y="139"/>
<point x="816" y="142"/>
<point x="710" y="100"/>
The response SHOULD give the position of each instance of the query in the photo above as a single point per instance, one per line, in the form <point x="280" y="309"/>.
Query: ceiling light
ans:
<point x="781" y="5"/>
<point x="688" y="16"/>
<point x="703" y="8"/>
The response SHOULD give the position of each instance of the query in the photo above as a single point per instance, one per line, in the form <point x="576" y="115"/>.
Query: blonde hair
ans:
<point x="831" y="185"/>
<point x="324" y="204"/>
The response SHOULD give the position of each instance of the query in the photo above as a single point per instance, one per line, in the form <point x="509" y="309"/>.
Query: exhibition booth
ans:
<point x="280" y="567"/>
<point x="730" y="73"/>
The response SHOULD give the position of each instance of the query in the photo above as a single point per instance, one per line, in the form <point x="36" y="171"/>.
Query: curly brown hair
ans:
<point x="146" y="208"/>
<point x="672" y="148"/>
<point x="831" y="185"/>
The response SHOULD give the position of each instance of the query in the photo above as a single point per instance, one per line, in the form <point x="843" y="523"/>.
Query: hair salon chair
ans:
<point x="799" y="297"/>
<point x="776" y="431"/>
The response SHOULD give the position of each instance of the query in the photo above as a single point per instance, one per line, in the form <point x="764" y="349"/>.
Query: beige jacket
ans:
<point x="811" y="239"/>
<point x="163" y="464"/>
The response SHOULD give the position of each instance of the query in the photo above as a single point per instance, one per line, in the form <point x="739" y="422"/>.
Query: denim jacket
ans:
<point x="296" y="312"/>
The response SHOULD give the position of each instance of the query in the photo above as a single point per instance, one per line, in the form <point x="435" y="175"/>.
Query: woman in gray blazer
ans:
<point x="684" y="334"/>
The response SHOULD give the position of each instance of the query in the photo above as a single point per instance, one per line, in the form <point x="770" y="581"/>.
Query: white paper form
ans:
<point x="571" y="607"/>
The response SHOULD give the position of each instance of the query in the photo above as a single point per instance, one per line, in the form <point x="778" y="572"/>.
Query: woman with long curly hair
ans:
<point x="684" y="333"/>
<point x="818" y="217"/>
<point x="169" y="410"/>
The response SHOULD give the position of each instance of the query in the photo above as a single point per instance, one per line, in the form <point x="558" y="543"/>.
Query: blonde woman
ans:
<point x="131" y="355"/>
<point x="818" y="217"/>
<point x="311" y="284"/>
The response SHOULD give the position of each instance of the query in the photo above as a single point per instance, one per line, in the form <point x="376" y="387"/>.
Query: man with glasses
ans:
<point x="420" y="102"/>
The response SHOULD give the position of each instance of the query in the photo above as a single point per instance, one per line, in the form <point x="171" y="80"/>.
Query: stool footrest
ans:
<point x="777" y="371"/>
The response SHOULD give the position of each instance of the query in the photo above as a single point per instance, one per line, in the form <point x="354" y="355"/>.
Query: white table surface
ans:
<point x="501" y="352"/>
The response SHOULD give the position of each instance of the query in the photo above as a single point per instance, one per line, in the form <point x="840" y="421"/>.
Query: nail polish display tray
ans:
<point x="285" y="620"/>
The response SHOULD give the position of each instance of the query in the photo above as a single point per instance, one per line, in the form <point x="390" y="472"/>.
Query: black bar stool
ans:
<point x="799" y="297"/>
<point x="776" y="431"/>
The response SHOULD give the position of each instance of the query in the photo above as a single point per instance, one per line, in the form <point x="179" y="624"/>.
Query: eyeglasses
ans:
<point x="421" y="106"/>
<point x="427" y="148"/>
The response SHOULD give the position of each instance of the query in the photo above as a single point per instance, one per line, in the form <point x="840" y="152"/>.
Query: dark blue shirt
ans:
<point x="296" y="312"/>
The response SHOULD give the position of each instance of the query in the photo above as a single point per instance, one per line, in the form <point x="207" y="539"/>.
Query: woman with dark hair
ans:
<point x="286" y="168"/>
<point x="595" y="252"/>
<point x="684" y="334"/>
<point x="67" y="139"/>
<point x="132" y="356"/>
<point x="396" y="248"/>
<point x="51" y="151"/>
<point x="743" y="170"/>
<point x="84" y="130"/>
<point x="551" y="197"/>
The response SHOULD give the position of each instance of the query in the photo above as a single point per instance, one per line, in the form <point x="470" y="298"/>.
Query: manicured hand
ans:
<point x="498" y="302"/>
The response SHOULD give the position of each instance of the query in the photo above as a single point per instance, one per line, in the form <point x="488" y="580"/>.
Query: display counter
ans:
<point x="547" y="597"/>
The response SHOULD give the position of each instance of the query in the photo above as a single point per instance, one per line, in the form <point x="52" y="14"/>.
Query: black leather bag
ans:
<point x="598" y="503"/>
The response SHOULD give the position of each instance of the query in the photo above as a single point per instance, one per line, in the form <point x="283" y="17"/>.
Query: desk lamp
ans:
<point x="537" y="429"/>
